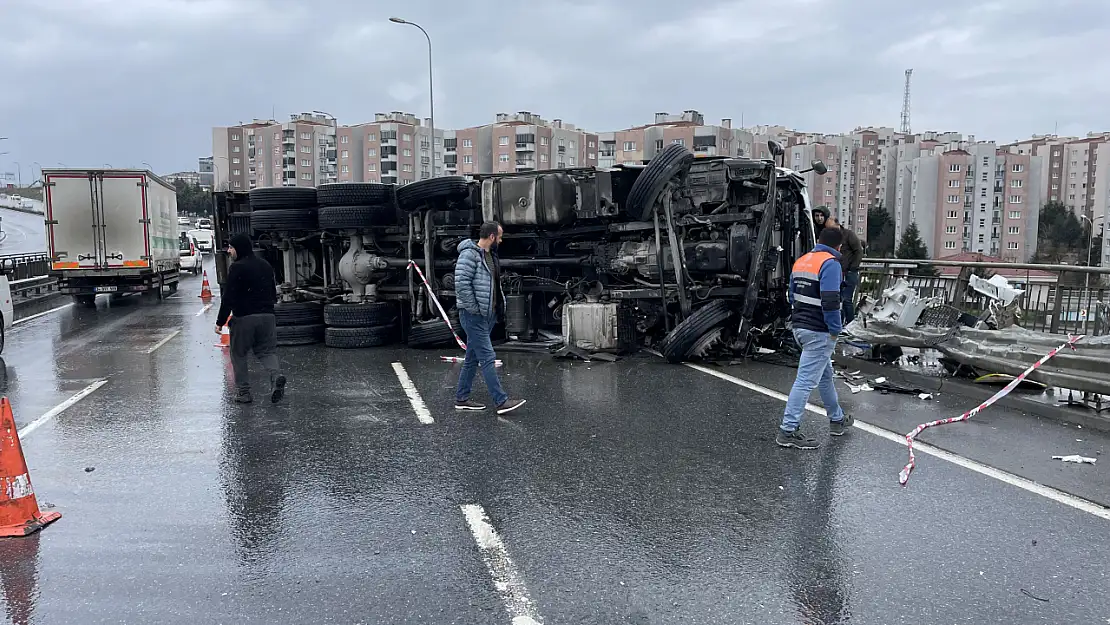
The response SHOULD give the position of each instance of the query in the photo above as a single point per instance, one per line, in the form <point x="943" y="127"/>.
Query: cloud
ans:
<point x="125" y="81"/>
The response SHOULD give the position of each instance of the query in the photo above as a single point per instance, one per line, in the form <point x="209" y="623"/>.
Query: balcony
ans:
<point x="425" y="160"/>
<point x="525" y="147"/>
<point x="525" y="164"/>
<point x="562" y="149"/>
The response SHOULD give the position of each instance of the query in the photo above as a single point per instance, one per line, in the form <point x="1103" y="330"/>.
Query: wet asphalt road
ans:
<point x="631" y="492"/>
<point x="26" y="233"/>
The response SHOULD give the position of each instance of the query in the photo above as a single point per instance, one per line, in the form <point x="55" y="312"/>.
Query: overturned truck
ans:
<point x="691" y="256"/>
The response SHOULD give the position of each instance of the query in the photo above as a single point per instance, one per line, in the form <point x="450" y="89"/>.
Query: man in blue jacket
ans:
<point x="478" y="293"/>
<point x="815" y="297"/>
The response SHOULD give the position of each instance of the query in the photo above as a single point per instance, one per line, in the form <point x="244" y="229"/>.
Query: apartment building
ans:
<point x="974" y="197"/>
<point x="901" y="173"/>
<point x="520" y="142"/>
<point x="204" y="167"/>
<point x="636" y="145"/>
<point x="267" y="153"/>
<point x="395" y="148"/>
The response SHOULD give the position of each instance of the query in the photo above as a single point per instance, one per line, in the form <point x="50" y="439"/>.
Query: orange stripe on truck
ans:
<point x="65" y="265"/>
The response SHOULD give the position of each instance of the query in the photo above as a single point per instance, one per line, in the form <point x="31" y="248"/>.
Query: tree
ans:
<point x="880" y="232"/>
<point x="1061" y="238"/>
<point x="192" y="200"/>
<point x="912" y="247"/>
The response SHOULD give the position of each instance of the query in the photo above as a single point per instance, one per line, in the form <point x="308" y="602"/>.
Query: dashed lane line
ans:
<point x="1005" y="477"/>
<point x="422" y="413"/>
<point x="41" y="314"/>
<point x="165" y="339"/>
<point x="60" y="408"/>
<point x="206" y="308"/>
<point x="506" y="578"/>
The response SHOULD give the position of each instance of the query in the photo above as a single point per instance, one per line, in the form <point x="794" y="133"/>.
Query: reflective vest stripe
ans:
<point x="805" y="299"/>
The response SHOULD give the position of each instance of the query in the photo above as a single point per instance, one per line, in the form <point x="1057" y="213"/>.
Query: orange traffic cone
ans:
<point x="205" y="289"/>
<point x="19" y="510"/>
<point x="225" y="335"/>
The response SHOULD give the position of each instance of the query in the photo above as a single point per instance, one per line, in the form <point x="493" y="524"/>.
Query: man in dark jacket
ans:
<point x="815" y="317"/>
<point x="477" y="293"/>
<point x="248" y="295"/>
<point x="851" y="256"/>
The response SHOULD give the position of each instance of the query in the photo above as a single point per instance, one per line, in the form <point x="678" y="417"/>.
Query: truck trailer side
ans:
<point x="111" y="231"/>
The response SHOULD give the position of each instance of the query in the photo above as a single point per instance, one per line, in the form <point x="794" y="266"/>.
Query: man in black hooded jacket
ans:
<point x="249" y="295"/>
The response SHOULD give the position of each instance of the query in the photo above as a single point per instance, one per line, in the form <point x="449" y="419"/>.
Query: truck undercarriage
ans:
<point x="690" y="256"/>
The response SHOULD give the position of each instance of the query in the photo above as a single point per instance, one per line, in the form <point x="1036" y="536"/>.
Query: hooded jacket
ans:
<point x="851" y="252"/>
<point x="250" y="288"/>
<point x="474" y="281"/>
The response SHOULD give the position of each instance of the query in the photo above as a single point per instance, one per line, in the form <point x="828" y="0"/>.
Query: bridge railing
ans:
<point x="23" y="266"/>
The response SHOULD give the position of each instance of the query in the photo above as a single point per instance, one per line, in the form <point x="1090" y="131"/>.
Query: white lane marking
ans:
<point x="41" y="314"/>
<point x="177" y="296"/>
<point x="506" y="578"/>
<point x="206" y="308"/>
<point x="56" y="410"/>
<point x="1005" y="477"/>
<point x="422" y="412"/>
<point x="164" y="340"/>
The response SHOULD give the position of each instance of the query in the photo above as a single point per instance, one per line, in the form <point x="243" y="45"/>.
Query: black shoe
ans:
<point x="279" y="389"/>
<point x="243" y="397"/>
<point x="510" y="405"/>
<point x="795" y="439"/>
<point x="837" y="428"/>
<point x="469" y="404"/>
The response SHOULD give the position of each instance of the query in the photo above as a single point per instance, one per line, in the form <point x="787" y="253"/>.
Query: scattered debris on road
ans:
<point x="1076" y="458"/>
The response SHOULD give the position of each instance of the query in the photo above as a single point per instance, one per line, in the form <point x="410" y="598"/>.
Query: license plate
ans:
<point x="106" y="289"/>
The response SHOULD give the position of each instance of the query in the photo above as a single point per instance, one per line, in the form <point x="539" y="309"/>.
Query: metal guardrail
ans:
<point x="1057" y="298"/>
<point x="33" y="287"/>
<point x="23" y="266"/>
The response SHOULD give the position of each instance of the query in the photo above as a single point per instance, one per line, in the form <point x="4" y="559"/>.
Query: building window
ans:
<point x="1012" y="245"/>
<point x="953" y="215"/>
<point x="236" y="172"/>
<point x="406" y="152"/>
<point x="306" y="149"/>
<point x="590" y="144"/>
<point x="950" y="229"/>
<point x="1015" y="214"/>
<point x="953" y="199"/>
<point x="1015" y="230"/>
<point x="543" y="158"/>
<point x="468" y="159"/>
<point x="235" y="160"/>
<point x="234" y="137"/>
<point x="949" y="245"/>
<point x="406" y="137"/>
<point x="1017" y="184"/>
<point x="543" y="140"/>
<point x="306" y="135"/>
<point x="371" y="167"/>
<point x="955" y="167"/>
<point x="306" y="176"/>
<point x="503" y="141"/>
<point x="828" y="193"/>
<point x="344" y="139"/>
<point x="238" y="184"/>
<point x="371" y="152"/>
<point x="504" y="158"/>
<point x="980" y="238"/>
<point x="345" y="170"/>
<point x="629" y="146"/>
<point x="235" y="149"/>
<point x="370" y="137"/>
<point x="1016" y="199"/>
<point x="953" y="184"/>
<point x="591" y="156"/>
<point x="467" y="143"/>
<point x="1055" y="187"/>
<point x="681" y="142"/>
<point x="406" y="167"/>
<point x="862" y="205"/>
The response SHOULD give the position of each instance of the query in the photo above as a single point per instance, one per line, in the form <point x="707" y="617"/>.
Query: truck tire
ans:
<point x="356" y="217"/>
<point x="299" y="313"/>
<point x="270" y="198"/>
<point x="673" y="160"/>
<point x="430" y="334"/>
<point x="280" y="219"/>
<point x="361" y="315"/>
<point x="288" y="336"/>
<point x="356" y="338"/>
<point x="677" y="345"/>
<point x="354" y="194"/>
<point x="419" y="194"/>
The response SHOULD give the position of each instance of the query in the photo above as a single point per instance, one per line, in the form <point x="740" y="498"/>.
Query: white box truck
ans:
<point x="111" y="231"/>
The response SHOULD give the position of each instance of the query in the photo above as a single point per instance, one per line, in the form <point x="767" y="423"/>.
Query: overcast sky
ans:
<point x="95" y="82"/>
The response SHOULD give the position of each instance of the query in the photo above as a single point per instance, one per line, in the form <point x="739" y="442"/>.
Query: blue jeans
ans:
<point x="479" y="353"/>
<point x="847" y="292"/>
<point x="814" y="369"/>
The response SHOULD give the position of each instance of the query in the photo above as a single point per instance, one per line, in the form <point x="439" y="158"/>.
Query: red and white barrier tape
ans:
<point x="431" y="294"/>
<point x="904" y="476"/>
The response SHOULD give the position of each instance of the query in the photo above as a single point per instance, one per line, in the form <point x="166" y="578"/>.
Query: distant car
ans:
<point x="206" y="239"/>
<point x="204" y="223"/>
<point x="183" y="220"/>
<point x="190" y="254"/>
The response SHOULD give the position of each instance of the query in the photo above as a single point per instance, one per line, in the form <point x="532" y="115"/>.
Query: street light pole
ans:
<point x="431" y="95"/>
<point x="1087" y="276"/>
<point x="18" y="174"/>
